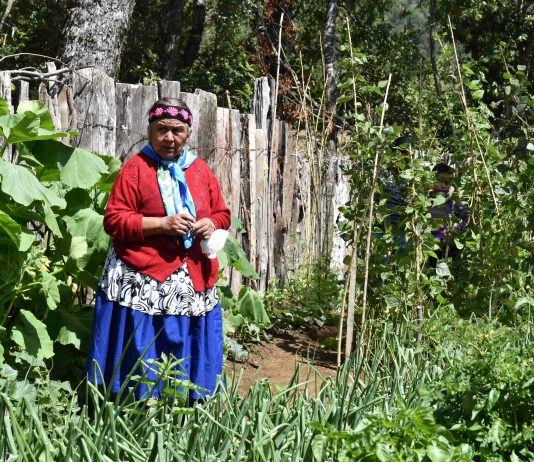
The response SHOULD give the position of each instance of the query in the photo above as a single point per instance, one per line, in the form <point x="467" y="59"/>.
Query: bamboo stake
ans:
<point x="370" y="223"/>
<point x="353" y="269"/>
<point x="469" y="121"/>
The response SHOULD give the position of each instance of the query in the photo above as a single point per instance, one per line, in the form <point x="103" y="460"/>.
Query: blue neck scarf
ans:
<point x="173" y="186"/>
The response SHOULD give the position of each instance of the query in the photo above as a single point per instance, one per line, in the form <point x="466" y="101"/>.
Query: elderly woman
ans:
<point x="157" y="295"/>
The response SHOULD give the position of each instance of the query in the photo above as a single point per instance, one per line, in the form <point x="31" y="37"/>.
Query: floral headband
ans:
<point x="170" y="112"/>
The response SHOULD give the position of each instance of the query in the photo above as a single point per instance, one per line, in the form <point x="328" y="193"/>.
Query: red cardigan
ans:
<point x="135" y="194"/>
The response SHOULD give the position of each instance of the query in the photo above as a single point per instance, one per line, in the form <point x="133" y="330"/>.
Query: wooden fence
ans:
<point x="266" y="176"/>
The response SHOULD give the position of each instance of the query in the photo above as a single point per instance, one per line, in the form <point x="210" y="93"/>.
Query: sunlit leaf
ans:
<point x="78" y="168"/>
<point x="19" y="183"/>
<point x="50" y="289"/>
<point x="232" y="254"/>
<point x="30" y="334"/>
<point x="4" y="108"/>
<point x="251" y="306"/>
<point x="442" y="269"/>
<point x="82" y="170"/>
<point x="89" y="224"/>
<point x="10" y="229"/>
<point x="40" y="109"/>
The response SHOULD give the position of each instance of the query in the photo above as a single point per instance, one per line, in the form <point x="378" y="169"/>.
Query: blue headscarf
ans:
<point x="173" y="186"/>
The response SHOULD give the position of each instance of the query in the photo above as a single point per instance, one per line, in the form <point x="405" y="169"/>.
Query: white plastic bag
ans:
<point x="215" y="243"/>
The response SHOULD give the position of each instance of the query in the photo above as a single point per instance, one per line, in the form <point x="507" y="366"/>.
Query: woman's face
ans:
<point x="168" y="137"/>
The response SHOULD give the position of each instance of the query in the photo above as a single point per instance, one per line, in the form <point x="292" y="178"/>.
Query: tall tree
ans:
<point x="195" y="37"/>
<point x="172" y="30"/>
<point x="329" y="58"/>
<point x="95" y="32"/>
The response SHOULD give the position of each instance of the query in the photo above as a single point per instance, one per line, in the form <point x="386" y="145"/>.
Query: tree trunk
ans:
<point x="195" y="38"/>
<point x="329" y="59"/>
<point x="95" y="32"/>
<point x="7" y="10"/>
<point x="172" y="30"/>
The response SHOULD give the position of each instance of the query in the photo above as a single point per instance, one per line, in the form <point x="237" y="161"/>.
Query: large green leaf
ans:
<point x="9" y="230"/>
<point x="19" y="183"/>
<point x="26" y="127"/>
<point x="78" y="168"/>
<point x="82" y="170"/>
<point x="51" y="221"/>
<point x="4" y="108"/>
<point x="50" y="288"/>
<point x="89" y="224"/>
<point x="70" y="327"/>
<point x="251" y="306"/>
<point x="30" y="334"/>
<point x="40" y="109"/>
<point x="27" y="238"/>
<point x="232" y="254"/>
<point x="113" y="166"/>
<point x="89" y="245"/>
<point x="78" y="248"/>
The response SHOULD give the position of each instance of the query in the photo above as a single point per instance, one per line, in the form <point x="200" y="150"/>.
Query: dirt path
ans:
<point x="276" y="360"/>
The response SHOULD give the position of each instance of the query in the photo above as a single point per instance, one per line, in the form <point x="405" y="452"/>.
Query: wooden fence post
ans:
<point x="94" y="99"/>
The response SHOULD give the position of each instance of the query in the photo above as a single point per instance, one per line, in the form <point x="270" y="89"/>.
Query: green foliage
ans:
<point x="32" y="27"/>
<point x="407" y="434"/>
<point x="52" y="243"/>
<point x="245" y="317"/>
<point x="224" y="60"/>
<point x="310" y="297"/>
<point x="486" y="392"/>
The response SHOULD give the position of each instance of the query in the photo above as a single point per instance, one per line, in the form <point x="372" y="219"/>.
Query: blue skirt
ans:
<point x="134" y="335"/>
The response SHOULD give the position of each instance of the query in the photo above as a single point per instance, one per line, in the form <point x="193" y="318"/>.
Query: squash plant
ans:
<point x="52" y="243"/>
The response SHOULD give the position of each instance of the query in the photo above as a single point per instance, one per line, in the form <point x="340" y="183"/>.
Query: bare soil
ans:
<point x="276" y="360"/>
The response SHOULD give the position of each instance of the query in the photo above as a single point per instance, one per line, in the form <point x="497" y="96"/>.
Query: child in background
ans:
<point x="445" y="212"/>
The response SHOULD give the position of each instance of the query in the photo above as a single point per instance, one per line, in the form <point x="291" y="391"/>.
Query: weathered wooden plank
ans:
<point x="24" y="91"/>
<point x="192" y="100"/>
<point x="289" y="178"/>
<point x="244" y="182"/>
<point x="327" y="209"/>
<point x="262" y="207"/>
<point x="5" y="92"/>
<point x="235" y="138"/>
<point x="206" y="122"/>
<point x="5" y="87"/>
<point x="222" y="162"/>
<point x="227" y="164"/>
<point x="64" y="99"/>
<point x="50" y="96"/>
<point x="276" y="240"/>
<point x="133" y="103"/>
<point x="168" y="89"/>
<point x="94" y="99"/>
<point x="261" y="104"/>
<point x="251" y="180"/>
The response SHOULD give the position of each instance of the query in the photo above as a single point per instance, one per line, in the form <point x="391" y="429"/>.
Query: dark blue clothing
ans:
<point x="119" y="330"/>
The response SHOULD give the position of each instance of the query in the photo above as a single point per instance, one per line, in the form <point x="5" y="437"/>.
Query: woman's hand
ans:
<point x="203" y="228"/>
<point x="173" y="225"/>
<point x="178" y="224"/>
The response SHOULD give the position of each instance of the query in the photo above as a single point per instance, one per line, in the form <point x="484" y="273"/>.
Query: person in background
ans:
<point x="395" y="192"/>
<point x="157" y="292"/>
<point x="450" y="216"/>
<point x="394" y="186"/>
